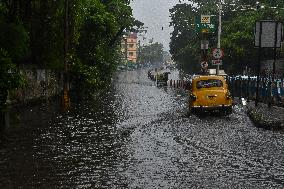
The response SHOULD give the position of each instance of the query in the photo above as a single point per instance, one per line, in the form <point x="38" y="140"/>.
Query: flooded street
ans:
<point x="136" y="135"/>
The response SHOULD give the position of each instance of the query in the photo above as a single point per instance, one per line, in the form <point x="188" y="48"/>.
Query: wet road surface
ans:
<point x="136" y="135"/>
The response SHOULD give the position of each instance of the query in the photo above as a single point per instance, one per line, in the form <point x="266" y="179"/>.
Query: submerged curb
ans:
<point x="267" y="118"/>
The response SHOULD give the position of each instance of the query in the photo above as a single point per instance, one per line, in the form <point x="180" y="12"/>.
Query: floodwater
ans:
<point x="136" y="135"/>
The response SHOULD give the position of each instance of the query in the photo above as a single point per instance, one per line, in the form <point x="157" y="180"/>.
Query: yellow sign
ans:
<point x="205" y="19"/>
<point x="204" y="31"/>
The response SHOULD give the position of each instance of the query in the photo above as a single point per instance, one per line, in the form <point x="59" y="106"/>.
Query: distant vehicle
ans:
<point x="121" y="67"/>
<point x="162" y="78"/>
<point x="210" y="93"/>
<point x="152" y="74"/>
<point x="160" y="75"/>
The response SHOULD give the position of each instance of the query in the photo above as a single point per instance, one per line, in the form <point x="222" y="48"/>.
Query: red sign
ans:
<point x="216" y="62"/>
<point x="218" y="53"/>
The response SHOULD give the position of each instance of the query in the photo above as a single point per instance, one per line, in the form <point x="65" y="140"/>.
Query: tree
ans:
<point x="95" y="30"/>
<point x="238" y="21"/>
<point x="98" y="48"/>
<point x="183" y="45"/>
<point x="13" y="48"/>
<point x="152" y="53"/>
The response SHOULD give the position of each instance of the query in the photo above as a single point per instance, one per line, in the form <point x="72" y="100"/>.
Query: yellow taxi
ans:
<point x="210" y="93"/>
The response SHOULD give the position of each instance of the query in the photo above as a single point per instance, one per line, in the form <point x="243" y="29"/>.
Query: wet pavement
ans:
<point x="136" y="135"/>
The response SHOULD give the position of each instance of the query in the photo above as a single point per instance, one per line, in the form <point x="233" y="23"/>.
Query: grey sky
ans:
<point x="155" y="15"/>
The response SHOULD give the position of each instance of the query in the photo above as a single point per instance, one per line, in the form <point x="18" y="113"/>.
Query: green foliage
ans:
<point x="151" y="53"/>
<point x="10" y="77"/>
<point x="183" y="45"/>
<point x="97" y="30"/>
<point x="33" y="31"/>
<point x="99" y="40"/>
<point x="14" y="38"/>
<point x="13" y="48"/>
<point x="237" y="39"/>
<point x="239" y="43"/>
<point x="89" y="74"/>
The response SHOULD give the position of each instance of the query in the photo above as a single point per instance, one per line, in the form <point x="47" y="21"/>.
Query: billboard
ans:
<point x="271" y="34"/>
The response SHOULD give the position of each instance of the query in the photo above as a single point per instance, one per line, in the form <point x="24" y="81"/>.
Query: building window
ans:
<point x="130" y="53"/>
<point x="130" y="45"/>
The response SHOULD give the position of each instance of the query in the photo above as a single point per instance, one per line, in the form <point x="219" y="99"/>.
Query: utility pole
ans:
<point x="259" y="64"/>
<point x="125" y="52"/>
<point x="219" y="32"/>
<point x="139" y="54"/>
<point x="66" y="97"/>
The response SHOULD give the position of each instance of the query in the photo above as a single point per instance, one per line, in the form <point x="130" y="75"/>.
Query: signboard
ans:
<point x="205" y="24"/>
<point x="205" y="19"/>
<point x="216" y="62"/>
<point x="204" y="65"/>
<point x="217" y="53"/>
<point x="204" y="44"/>
<point x="271" y="33"/>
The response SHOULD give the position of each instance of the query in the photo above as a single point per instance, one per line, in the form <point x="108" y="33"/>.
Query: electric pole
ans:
<point x="219" y="32"/>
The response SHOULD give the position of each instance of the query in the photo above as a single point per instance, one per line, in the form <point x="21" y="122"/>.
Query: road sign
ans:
<point x="204" y="64"/>
<point x="205" y="24"/>
<point x="271" y="33"/>
<point x="216" y="62"/>
<point x="205" y="19"/>
<point x="204" y="44"/>
<point x="217" y="53"/>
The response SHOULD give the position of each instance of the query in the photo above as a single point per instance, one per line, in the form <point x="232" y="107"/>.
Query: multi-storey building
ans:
<point x="131" y="42"/>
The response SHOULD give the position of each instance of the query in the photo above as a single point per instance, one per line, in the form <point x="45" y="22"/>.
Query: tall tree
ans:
<point x="152" y="53"/>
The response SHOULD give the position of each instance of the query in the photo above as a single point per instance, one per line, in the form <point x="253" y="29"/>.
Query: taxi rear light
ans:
<point x="228" y="96"/>
<point x="193" y="97"/>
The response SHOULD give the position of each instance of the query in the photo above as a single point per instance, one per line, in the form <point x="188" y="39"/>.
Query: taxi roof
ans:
<point x="200" y="77"/>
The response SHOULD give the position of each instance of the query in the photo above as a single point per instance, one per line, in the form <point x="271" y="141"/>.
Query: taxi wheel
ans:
<point x="227" y="111"/>
<point x="222" y="111"/>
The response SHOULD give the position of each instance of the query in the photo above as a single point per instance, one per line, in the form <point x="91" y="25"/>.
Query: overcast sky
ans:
<point x="155" y="15"/>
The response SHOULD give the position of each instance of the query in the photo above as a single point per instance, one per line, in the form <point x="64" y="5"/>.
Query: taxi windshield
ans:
<point x="209" y="83"/>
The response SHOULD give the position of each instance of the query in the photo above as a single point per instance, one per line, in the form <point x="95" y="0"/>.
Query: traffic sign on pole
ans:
<point x="205" y="19"/>
<point x="216" y="62"/>
<point x="218" y="53"/>
<point x="205" y="24"/>
<point x="204" y="64"/>
<point x="204" y="44"/>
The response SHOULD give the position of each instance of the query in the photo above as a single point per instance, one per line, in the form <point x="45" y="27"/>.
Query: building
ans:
<point x="131" y="42"/>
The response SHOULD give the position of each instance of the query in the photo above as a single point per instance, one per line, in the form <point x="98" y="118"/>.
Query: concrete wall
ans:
<point x="41" y="84"/>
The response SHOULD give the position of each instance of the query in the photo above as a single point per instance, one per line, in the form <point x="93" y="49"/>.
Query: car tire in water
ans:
<point x="189" y="112"/>
<point x="227" y="111"/>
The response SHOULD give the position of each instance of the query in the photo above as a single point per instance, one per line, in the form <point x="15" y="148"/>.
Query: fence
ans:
<point x="179" y="84"/>
<point x="244" y="87"/>
<point x="267" y="91"/>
